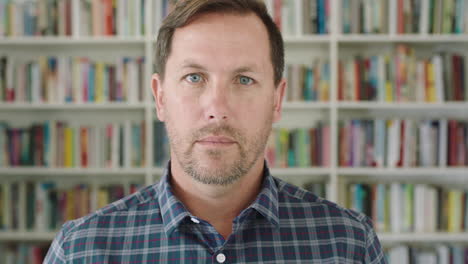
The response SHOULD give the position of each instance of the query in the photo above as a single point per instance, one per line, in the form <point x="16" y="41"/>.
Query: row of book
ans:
<point x="23" y="253"/>
<point x="46" y="206"/>
<point x="308" y="83"/>
<point x="404" y="16"/>
<point x="112" y="17"/>
<point x="403" y="143"/>
<point x="402" y="77"/>
<point x="69" y="145"/>
<point x="35" y="18"/>
<point x="438" y="254"/>
<point x="287" y="16"/>
<point x="55" y="17"/>
<point x="71" y="79"/>
<point x="301" y="147"/>
<point x="407" y="207"/>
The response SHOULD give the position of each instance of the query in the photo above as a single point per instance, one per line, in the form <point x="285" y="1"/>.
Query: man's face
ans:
<point x="218" y="98"/>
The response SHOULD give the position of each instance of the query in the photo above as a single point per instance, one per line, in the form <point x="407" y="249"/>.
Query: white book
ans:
<point x="399" y="254"/>
<point x="426" y="145"/>
<point x="115" y="148"/>
<point x="443" y="142"/>
<point x="298" y="17"/>
<point x="40" y="213"/>
<point x="138" y="17"/>
<point x="424" y="17"/>
<point x="93" y="198"/>
<point x="121" y="6"/>
<point x="20" y="83"/>
<point x="368" y="20"/>
<point x="63" y="70"/>
<point x="439" y="77"/>
<point x="443" y="254"/>
<point x="392" y="18"/>
<point x="433" y="205"/>
<point x="419" y="208"/>
<point x="133" y="80"/>
<point x="426" y="258"/>
<point x="393" y="145"/>
<point x="396" y="208"/>
<point x="127" y="151"/>
<point x="379" y="142"/>
<point x="420" y="82"/>
<point x="7" y="210"/>
<point x="408" y="144"/>
<point x="269" y="6"/>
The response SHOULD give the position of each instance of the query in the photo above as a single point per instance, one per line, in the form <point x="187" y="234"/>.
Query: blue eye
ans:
<point x="245" y="80"/>
<point x="194" y="78"/>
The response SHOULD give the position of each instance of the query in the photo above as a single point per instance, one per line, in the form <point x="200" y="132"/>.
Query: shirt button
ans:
<point x="221" y="258"/>
<point x="195" y="220"/>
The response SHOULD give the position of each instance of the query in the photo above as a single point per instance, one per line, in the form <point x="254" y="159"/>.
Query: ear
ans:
<point x="278" y="100"/>
<point x="156" y="88"/>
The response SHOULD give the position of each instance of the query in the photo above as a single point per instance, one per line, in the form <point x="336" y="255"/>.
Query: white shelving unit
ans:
<point x="299" y="49"/>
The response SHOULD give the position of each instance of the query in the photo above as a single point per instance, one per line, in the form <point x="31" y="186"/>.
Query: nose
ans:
<point x="216" y="102"/>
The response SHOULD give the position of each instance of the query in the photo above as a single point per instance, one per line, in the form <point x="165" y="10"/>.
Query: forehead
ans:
<point x="222" y="40"/>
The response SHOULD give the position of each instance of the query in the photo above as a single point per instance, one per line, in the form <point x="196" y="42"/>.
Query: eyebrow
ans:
<point x="194" y="65"/>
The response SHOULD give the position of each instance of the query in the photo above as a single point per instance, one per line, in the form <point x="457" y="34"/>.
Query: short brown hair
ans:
<point x="185" y="10"/>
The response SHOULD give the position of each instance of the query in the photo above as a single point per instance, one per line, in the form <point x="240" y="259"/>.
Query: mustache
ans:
<point x="217" y="130"/>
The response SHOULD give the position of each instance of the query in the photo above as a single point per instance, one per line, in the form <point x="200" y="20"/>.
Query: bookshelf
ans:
<point x="300" y="49"/>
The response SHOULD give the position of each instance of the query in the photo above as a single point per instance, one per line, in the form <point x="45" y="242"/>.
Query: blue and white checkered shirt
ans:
<point x="284" y="224"/>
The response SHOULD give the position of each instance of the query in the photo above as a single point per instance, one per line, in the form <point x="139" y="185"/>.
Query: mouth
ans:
<point x="216" y="141"/>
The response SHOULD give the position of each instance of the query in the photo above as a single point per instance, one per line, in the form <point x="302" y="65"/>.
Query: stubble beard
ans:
<point x="249" y="151"/>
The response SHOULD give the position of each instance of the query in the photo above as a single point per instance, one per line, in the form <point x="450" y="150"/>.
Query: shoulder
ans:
<point x="302" y="204"/>
<point x="119" y="214"/>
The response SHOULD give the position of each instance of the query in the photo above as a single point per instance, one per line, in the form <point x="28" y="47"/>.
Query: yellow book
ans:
<point x="99" y="82"/>
<point x="70" y="206"/>
<point x="68" y="143"/>
<point x="388" y="81"/>
<point x="102" y="197"/>
<point x="431" y="89"/>
<point x="454" y="211"/>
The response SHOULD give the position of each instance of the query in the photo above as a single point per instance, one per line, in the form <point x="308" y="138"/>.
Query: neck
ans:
<point x="217" y="204"/>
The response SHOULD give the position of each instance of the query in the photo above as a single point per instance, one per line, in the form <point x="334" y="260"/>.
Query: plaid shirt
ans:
<point x="284" y="224"/>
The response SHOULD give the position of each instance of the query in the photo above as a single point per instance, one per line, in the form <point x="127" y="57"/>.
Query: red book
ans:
<point x="84" y="146"/>
<point x="452" y="145"/>
<point x="461" y="146"/>
<point x="277" y="12"/>
<point x="402" y="144"/>
<point x="400" y="18"/>
<point x="357" y="78"/>
<point x="456" y="77"/>
<point x="108" y="17"/>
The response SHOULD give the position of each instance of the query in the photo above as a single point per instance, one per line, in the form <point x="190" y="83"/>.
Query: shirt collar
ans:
<point x="173" y="211"/>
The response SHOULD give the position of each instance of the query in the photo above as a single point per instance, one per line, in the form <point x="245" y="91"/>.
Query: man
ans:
<point x="218" y="88"/>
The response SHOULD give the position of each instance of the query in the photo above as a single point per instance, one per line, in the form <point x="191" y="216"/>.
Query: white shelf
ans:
<point x="408" y="38"/>
<point x="432" y="171"/>
<point x="404" y="105"/>
<point x="73" y="106"/>
<point x="305" y="105"/>
<point x="70" y="40"/>
<point x="27" y="236"/>
<point x="307" y="39"/>
<point x="441" y="237"/>
<point x="61" y="172"/>
<point x="288" y="172"/>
